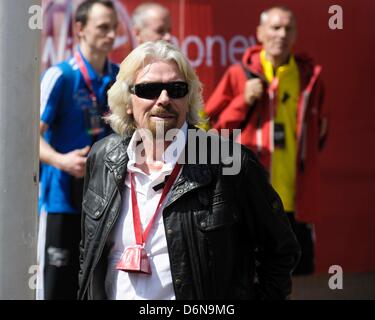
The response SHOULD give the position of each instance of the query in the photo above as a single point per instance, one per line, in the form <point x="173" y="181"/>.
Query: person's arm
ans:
<point x="277" y="249"/>
<point x="72" y="162"/>
<point x="229" y="104"/>
<point x="83" y="220"/>
<point x="51" y="95"/>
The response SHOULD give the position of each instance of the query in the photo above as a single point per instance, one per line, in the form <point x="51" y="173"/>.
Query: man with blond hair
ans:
<point x="158" y="222"/>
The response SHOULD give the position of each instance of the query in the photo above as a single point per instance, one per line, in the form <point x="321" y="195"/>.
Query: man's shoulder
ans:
<point x="239" y="157"/>
<point x="305" y="62"/>
<point x="235" y="70"/>
<point x="303" y="57"/>
<point x="115" y="68"/>
<point x="114" y="65"/>
<point x="63" y="69"/>
<point x="108" y="144"/>
<point x="228" y="151"/>
<point x="58" y="79"/>
<point x="250" y="63"/>
<point x="309" y="70"/>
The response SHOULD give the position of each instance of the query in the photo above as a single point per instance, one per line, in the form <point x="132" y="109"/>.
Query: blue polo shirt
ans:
<point x="66" y="107"/>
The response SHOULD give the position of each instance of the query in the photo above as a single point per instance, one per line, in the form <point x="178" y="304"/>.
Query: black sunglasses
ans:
<point x="152" y="90"/>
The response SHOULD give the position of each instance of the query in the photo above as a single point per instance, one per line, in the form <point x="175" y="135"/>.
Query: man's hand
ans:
<point x="253" y="90"/>
<point x="74" y="162"/>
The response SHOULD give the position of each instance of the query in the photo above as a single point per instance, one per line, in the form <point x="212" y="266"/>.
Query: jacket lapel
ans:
<point x="193" y="176"/>
<point x="116" y="160"/>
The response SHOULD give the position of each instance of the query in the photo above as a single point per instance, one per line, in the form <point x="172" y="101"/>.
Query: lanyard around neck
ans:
<point x="139" y="237"/>
<point x="85" y="74"/>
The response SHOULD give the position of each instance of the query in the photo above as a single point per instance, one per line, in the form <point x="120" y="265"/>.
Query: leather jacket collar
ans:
<point x="192" y="175"/>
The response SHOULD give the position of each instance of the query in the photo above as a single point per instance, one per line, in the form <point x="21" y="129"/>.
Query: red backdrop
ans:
<point x="214" y="33"/>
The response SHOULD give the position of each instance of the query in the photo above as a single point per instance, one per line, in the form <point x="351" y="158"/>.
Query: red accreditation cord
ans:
<point x="92" y="115"/>
<point x="134" y="258"/>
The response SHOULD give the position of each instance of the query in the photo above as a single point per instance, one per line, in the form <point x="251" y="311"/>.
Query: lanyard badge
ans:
<point x="92" y="114"/>
<point x="134" y="258"/>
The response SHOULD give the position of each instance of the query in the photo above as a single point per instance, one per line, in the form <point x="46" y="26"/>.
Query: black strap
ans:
<point x="249" y="75"/>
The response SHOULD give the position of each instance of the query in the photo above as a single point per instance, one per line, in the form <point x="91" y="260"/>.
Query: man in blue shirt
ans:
<point x="73" y="102"/>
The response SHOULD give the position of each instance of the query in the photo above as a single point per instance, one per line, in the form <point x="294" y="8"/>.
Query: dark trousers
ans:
<point x="305" y="235"/>
<point x="61" y="256"/>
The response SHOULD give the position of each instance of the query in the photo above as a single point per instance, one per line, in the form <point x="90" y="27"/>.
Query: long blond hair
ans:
<point x="119" y="96"/>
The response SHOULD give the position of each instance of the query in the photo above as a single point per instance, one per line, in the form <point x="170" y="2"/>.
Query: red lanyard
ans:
<point x="139" y="237"/>
<point x="86" y="78"/>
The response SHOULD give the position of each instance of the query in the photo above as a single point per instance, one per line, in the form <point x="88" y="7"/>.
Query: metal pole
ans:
<point x="19" y="148"/>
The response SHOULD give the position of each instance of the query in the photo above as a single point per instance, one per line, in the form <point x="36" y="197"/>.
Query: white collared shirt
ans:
<point x="121" y="285"/>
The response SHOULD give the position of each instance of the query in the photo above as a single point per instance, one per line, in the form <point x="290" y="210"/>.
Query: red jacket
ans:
<point x="227" y="109"/>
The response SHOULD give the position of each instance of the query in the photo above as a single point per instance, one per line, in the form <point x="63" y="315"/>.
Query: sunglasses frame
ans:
<point x="168" y="86"/>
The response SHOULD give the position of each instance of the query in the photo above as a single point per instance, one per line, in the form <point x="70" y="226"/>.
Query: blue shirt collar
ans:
<point x="92" y="73"/>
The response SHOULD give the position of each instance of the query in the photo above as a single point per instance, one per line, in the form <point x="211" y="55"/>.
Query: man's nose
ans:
<point x="112" y="34"/>
<point x="163" y="98"/>
<point x="282" y="32"/>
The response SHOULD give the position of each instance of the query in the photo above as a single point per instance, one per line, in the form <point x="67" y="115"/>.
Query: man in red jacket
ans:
<point x="275" y="98"/>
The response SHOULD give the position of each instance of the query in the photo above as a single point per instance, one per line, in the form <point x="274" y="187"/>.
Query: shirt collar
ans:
<point x="269" y="72"/>
<point x="92" y="73"/>
<point x="170" y="155"/>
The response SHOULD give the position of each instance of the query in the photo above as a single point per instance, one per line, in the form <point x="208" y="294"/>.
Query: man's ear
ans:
<point x="129" y="110"/>
<point x="79" y="29"/>
<point x="260" y="33"/>
<point x="137" y="34"/>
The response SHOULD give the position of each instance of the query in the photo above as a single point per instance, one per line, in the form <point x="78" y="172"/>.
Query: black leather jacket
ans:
<point x="227" y="235"/>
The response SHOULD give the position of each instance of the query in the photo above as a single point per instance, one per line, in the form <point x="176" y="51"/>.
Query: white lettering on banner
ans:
<point x="337" y="20"/>
<point x="199" y="49"/>
<point x="234" y="51"/>
<point x="237" y="50"/>
<point x="223" y="53"/>
<point x="185" y="45"/>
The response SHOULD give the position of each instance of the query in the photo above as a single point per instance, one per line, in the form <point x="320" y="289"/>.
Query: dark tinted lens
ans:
<point x="148" y="90"/>
<point x="177" y="89"/>
<point x="152" y="90"/>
